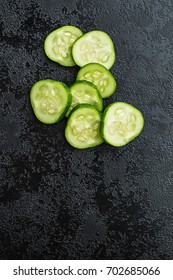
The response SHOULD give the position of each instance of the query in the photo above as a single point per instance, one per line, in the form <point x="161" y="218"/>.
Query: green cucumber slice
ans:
<point x="83" y="127"/>
<point x="100" y="77"/>
<point x="95" y="46"/>
<point x="58" y="44"/>
<point x="84" y="92"/>
<point x="50" y="100"/>
<point x="121" y="123"/>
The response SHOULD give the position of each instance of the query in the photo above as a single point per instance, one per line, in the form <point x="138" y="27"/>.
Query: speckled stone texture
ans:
<point x="57" y="202"/>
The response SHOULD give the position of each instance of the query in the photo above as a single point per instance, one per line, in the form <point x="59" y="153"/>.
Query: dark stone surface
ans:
<point x="57" y="202"/>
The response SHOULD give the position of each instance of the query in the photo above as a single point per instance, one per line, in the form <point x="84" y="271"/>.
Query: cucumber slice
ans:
<point x="83" y="127"/>
<point x="95" y="46"/>
<point x="100" y="77"/>
<point x="84" y="92"/>
<point x="50" y="100"/>
<point x="121" y="123"/>
<point x="58" y="44"/>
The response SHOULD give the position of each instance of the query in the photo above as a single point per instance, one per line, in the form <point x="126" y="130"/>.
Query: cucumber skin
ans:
<point x="69" y="101"/>
<point x="57" y="61"/>
<point x="95" y="62"/>
<point x="102" y="125"/>
<point x="67" y="106"/>
<point x="74" y="109"/>
<point x="84" y="105"/>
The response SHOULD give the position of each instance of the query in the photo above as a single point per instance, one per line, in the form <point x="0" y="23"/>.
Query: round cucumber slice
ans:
<point x="121" y="123"/>
<point x="83" y="127"/>
<point x="100" y="77"/>
<point x="58" y="44"/>
<point x="95" y="46"/>
<point x="50" y="100"/>
<point x="84" y="92"/>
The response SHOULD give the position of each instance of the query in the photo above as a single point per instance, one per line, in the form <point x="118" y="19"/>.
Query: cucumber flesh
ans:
<point x="95" y="46"/>
<point x="83" y="127"/>
<point x="50" y="100"/>
<point x="100" y="77"/>
<point x="84" y="92"/>
<point x="58" y="44"/>
<point x="121" y="123"/>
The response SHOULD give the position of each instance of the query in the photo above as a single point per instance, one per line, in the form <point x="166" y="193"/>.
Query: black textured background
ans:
<point x="57" y="202"/>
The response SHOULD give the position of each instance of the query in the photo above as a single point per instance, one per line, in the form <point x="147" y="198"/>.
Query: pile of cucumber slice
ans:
<point x="82" y="103"/>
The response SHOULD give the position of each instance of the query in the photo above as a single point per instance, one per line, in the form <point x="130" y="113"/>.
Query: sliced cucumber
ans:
<point x="50" y="100"/>
<point x="58" y="44"/>
<point x="95" y="46"/>
<point x="121" y="123"/>
<point x="83" y="127"/>
<point x="84" y="92"/>
<point x="100" y="77"/>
